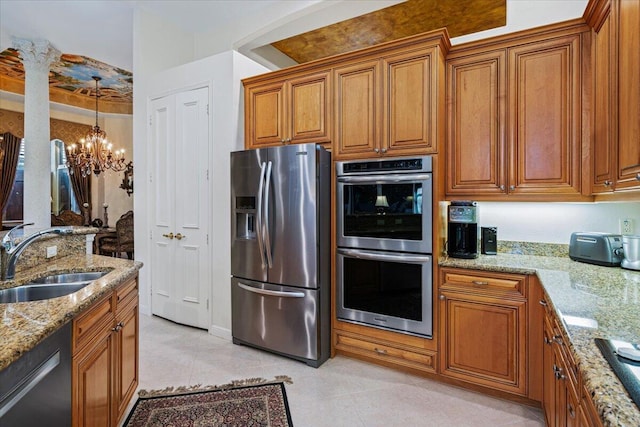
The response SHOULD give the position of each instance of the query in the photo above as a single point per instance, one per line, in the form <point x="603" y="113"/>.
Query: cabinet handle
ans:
<point x="384" y="150"/>
<point x="502" y="187"/>
<point x="480" y="283"/>
<point x="376" y="150"/>
<point x="118" y="327"/>
<point x="180" y="236"/>
<point x="442" y="297"/>
<point x="607" y="183"/>
<point x="558" y="339"/>
<point x="638" y="176"/>
<point x="287" y="141"/>
<point x="380" y="351"/>
<point x="512" y="187"/>
<point x="168" y="236"/>
<point x="572" y="412"/>
<point x="543" y="303"/>
<point x="547" y="340"/>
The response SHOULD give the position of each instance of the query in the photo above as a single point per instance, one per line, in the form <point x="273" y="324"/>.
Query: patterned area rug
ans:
<point x="253" y="402"/>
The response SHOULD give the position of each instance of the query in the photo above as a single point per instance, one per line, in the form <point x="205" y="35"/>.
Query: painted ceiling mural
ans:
<point x="70" y="81"/>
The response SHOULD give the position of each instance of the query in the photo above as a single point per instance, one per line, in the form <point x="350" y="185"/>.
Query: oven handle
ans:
<point x="379" y="179"/>
<point x="376" y="256"/>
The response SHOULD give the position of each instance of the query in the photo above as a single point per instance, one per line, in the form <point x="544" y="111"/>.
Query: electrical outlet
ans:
<point x="52" y="251"/>
<point x="626" y="226"/>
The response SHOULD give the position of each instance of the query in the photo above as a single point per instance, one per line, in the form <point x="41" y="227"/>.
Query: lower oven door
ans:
<point x="386" y="289"/>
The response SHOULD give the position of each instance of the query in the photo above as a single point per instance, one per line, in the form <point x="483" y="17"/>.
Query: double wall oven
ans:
<point x="384" y="256"/>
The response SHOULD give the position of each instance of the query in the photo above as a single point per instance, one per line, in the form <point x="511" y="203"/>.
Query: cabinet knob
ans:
<point x="512" y="187"/>
<point x="442" y="297"/>
<point x="607" y="183"/>
<point x="168" y="236"/>
<point x="638" y="176"/>
<point x="384" y="150"/>
<point x="180" y="236"/>
<point x="480" y="283"/>
<point x="543" y="302"/>
<point x="380" y="351"/>
<point x="376" y="150"/>
<point x="502" y="187"/>
<point x="572" y="412"/>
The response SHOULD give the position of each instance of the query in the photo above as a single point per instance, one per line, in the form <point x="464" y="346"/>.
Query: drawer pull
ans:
<point x="118" y="327"/>
<point x="543" y="303"/>
<point x="480" y="283"/>
<point x="380" y="351"/>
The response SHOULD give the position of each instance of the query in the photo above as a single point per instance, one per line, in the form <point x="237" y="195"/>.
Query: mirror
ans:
<point x="127" y="181"/>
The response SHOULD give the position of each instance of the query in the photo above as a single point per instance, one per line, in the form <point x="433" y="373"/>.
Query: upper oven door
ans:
<point x="386" y="212"/>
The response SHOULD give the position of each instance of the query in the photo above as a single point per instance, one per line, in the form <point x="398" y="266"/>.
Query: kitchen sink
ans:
<point x="53" y="286"/>
<point x="70" y="277"/>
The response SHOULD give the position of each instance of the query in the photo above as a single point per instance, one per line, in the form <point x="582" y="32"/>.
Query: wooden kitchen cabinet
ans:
<point x="403" y="92"/>
<point x="402" y="351"/>
<point x="565" y="402"/>
<point x="514" y="117"/>
<point x="105" y="358"/>
<point x="292" y="111"/>
<point x="483" y="329"/>
<point x="616" y="127"/>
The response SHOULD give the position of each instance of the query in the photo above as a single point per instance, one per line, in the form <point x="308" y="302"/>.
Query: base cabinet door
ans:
<point x="105" y="358"/>
<point x="92" y="385"/>
<point x="483" y="329"/>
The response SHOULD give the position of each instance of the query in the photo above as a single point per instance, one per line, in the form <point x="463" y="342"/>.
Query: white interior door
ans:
<point x="180" y="274"/>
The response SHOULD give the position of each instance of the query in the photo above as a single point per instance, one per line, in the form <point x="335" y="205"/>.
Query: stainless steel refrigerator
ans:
<point x="280" y="250"/>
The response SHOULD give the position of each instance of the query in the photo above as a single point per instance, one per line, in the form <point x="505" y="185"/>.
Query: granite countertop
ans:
<point x="25" y="324"/>
<point x="593" y="302"/>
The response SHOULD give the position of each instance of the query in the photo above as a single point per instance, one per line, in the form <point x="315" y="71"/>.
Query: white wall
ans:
<point x="554" y="222"/>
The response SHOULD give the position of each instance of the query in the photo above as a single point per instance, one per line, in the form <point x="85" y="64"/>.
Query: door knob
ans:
<point x="180" y="236"/>
<point x="168" y="236"/>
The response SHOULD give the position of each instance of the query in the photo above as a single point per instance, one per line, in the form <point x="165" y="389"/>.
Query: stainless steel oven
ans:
<point x="384" y="257"/>
<point x="389" y="290"/>
<point x="385" y="204"/>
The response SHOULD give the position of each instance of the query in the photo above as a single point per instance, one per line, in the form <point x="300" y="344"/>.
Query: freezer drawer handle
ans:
<point x="271" y="293"/>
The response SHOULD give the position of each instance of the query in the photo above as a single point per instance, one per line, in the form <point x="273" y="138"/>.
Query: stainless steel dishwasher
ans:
<point x="35" y="390"/>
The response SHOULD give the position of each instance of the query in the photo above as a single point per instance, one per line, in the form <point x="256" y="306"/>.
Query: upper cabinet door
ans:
<point x="265" y="115"/>
<point x="476" y="151"/>
<point x="309" y="109"/>
<point x="410" y="102"/>
<point x="628" y="18"/>
<point x="357" y="110"/>
<point x="544" y="117"/>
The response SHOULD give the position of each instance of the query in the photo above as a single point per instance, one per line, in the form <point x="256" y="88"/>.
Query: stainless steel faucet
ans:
<point x="10" y="251"/>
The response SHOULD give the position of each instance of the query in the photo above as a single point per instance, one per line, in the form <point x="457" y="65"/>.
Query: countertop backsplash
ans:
<point x="533" y="248"/>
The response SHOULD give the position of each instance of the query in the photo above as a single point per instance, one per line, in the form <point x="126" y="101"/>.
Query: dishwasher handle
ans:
<point x="28" y="382"/>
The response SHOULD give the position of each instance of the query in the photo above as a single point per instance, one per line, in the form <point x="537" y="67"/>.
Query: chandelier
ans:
<point x="94" y="154"/>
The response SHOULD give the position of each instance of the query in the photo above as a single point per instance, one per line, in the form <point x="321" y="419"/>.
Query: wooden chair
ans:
<point x="123" y="242"/>
<point x="67" y="217"/>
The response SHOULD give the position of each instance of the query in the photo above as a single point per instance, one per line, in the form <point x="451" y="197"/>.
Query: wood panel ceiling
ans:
<point x="460" y="17"/>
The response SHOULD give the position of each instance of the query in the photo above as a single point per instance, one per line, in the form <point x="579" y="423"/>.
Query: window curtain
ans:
<point x="81" y="188"/>
<point x="11" y="147"/>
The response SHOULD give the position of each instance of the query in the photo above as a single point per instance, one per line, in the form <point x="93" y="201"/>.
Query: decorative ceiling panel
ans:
<point x="460" y="17"/>
<point x="70" y="82"/>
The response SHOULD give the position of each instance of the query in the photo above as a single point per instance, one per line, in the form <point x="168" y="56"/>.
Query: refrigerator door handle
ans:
<point x="271" y="293"/>
<point x="267" y="233"/>
<point x="391" y="178"/>
<point x="375" y="256"/>
<point x="259" y="215"/>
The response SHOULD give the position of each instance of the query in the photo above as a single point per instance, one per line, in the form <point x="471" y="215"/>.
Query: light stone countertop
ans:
<point x="25" y="324"/>
<point x="606" y="298"/>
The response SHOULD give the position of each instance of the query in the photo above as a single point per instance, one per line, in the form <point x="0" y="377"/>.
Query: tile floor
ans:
<point x="342" y="392"/>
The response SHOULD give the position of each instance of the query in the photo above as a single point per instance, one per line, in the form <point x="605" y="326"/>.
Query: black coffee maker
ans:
<point x="463" y="230"/>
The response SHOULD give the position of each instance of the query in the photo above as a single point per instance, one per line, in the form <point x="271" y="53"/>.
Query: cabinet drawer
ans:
<point x="396" y="355"/>
<point x="125" y="293"/>
<point x="92" y="322"/>
<point x="496" y="283"/>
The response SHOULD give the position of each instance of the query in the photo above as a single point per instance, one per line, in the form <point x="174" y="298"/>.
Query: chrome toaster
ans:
<point x="596" y="248"/>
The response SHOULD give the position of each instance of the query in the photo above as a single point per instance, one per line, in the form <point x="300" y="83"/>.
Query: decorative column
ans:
<point x="37" y="56"/>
